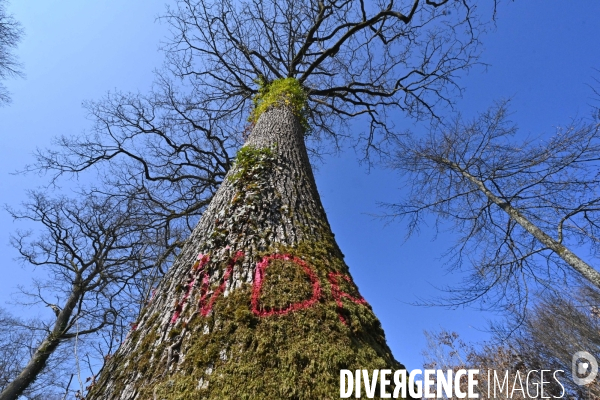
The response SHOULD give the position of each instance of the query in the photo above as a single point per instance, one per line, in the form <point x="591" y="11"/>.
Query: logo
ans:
<point x="584" y="363"/>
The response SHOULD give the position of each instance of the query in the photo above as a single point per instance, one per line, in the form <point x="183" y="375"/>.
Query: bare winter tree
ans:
<point x="97" y="265"/>
<point x="520" y="208"/>
<point x="556" y="328"/>
<point x="164" y="155"/>
<point x="170" y="149"/>
<point x="504" y="371"/>
<point x="10" y="35"/>
<point x="16" y="341"/>
<point x="552" y="332"/>
<point x="19" y="339"/>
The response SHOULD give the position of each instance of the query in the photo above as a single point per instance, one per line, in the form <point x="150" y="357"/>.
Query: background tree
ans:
<point x="508" y="372"/>
<point x="553" y="330"/>
<point x="18" y="340"/>
<point x="446" y="351"/>
<point x="557" y="327"/>
<point x="519" y="207"/>
<point x="99" y="267"/>
<point x="154" y="151"/>
<point x="10" y="35"/>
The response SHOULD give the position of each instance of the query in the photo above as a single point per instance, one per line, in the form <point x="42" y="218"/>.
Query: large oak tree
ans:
<point x="258" y="302"/>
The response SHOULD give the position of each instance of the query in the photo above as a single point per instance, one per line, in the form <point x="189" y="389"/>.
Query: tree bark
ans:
<point x="260" y="303"/>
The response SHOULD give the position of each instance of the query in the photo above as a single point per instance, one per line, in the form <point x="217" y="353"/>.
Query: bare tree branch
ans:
<point x="11" y="33"/>
<point x="519" y="207"/>
<point x="99" y="259"/>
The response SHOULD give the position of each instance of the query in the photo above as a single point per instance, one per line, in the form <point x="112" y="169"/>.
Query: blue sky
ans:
<point x="542" y="55"/>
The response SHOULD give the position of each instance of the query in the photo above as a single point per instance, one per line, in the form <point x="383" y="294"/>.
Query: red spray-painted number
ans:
<point x="259" y="276"/>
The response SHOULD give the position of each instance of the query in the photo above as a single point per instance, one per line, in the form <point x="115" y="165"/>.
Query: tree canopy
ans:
<point x="170" y="149"/>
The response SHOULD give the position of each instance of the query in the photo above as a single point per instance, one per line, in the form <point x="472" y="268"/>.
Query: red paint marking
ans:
<point x="199" y="265"/>
<point x="199" y="273"/>
<point x="206" y="307"/>
<point x="183" y="301"/>
<point x="259" y="276"/>
<point x="338" y="294"/>
<point x="176" y="314"/>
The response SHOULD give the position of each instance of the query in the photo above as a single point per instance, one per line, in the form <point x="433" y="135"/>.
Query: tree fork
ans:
<point x="260" y="303"/>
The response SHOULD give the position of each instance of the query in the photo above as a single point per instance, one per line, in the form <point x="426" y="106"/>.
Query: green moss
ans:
<point x="174" y="332"/>
<point x="285" y="283"/>
<point x="232" y="353"/>
<point x="280" y="92"/>
<point x="250" y="163"/>
<point x="297" y="355"/>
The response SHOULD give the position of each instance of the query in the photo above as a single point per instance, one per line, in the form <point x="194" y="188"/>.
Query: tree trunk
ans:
<point x="260" y="304"/>
<point x="42" y="353"/>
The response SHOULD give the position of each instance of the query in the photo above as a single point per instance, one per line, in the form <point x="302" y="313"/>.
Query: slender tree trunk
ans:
<point x="43" y="352"/>
<point x="260" y="304"/>
<point x="557" y="247"/>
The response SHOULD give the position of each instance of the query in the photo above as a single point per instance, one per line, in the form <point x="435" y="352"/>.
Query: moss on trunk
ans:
<point x="260" y="304"/>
